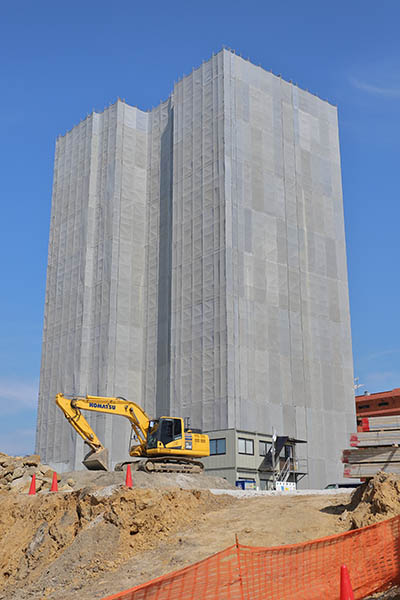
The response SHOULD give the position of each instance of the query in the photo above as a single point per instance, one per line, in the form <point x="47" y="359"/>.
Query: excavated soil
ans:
<point x="16" y="474"/>
<point x="97" y="537"/>
<point x="90" y="543"/>
<point x="50" y="542"/>
<point x="374" y="501"/>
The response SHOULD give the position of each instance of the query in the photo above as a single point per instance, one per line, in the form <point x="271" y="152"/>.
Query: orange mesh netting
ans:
<point x="308" y="571"/>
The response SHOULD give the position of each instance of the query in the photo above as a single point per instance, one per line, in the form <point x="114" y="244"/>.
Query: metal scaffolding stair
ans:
<point x="285" y="471"/>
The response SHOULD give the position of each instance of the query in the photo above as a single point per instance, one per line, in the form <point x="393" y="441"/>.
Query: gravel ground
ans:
<point x="392" y="594"/>
<point x="262" y="493"/>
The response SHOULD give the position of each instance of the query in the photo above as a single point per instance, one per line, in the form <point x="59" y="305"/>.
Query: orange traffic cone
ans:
<point x="346" y="591"/>
<point x="32" y="488"/>
<point x="128" y="480"/>
<point x="54" y="484"/>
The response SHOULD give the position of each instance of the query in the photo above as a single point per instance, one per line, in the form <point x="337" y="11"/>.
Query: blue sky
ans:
<point x="59" y="60"/>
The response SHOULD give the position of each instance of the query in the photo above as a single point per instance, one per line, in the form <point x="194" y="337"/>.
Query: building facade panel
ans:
<point x="289" y="334"/>
<point x="93" y="329"/>
<point x="198" y="320"/>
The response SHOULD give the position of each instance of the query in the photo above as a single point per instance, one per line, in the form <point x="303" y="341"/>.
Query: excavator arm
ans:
<point x="98" y="457"/>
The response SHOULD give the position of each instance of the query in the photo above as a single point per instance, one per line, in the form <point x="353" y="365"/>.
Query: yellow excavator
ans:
<point x="161" y="445"/>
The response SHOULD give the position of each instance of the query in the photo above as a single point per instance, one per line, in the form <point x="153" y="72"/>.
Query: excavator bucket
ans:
<point x="96" y="460"/>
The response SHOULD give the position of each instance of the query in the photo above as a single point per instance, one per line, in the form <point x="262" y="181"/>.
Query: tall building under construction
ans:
<point x="197" y="266"/>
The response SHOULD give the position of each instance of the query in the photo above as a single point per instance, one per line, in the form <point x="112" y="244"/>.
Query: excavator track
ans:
<point x="164" y="464"/>
<point x="173" y="465"/>
<point x="136" y="465"/>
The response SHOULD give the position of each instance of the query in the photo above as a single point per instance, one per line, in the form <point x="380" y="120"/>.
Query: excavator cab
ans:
<point x="164" y="430"/>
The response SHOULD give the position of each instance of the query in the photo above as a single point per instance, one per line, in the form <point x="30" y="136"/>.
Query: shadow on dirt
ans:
<point x="339" y="509"/>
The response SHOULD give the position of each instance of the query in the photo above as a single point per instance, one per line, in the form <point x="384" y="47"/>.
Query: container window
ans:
<point x="245" y="446"/>
<point x="264" y="447"/>
<point x="218" y="446"/>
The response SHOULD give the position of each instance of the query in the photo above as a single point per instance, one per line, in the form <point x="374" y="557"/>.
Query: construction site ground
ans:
<point x="99" y="537"/>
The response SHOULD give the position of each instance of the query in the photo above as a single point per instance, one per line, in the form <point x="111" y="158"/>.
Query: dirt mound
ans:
<point x="88" y="544"/>
<point x="81" y="534"/>
<point x="374" y="501"/>
<point x="100" y="479"/>
<point x="102" y="537"/>
<point x="16" y="473"/>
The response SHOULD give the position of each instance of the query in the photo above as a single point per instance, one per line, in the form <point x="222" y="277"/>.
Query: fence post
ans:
<point x="240" y="567"/>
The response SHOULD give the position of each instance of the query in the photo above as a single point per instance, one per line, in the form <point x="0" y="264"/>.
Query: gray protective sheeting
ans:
<point x="197" y="265"/>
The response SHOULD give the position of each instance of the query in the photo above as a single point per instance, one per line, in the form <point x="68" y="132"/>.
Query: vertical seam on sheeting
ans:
<point x="50" y="251"/>
<point x="80" y="284"/>
<point x="146" y="280"/>
<point x="64" y="211"/>
<point x="287" y="248"/>
<point x="239" y="206"/>
<point x="40" y="442"/>
<point x="235" y="255"/>
<point x="201" y="378"/>
<point x="192" y="247"/>
<point x="88" y="246"/>
<point x="77" y="285"/>
<point x="88" y="302"/>
<point x="300" y="292"/>
<point x="91" y="275"/>
<point x="103" y="225"/>
<point x="146" y="345"/>
<point x="170" y="216"/>
<point x="226" y="254"/>
<point x="119" y="235"/>
<point x="230" y="370"/>
<point x="181" y="205"/>
<point x="210" y="251"/>
<point x="233" y="226"/>
<point x="171" y="280"/>
<point x="101" y="418"/>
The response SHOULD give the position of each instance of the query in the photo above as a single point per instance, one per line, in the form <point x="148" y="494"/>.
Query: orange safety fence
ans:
<point x="306" y="571"/>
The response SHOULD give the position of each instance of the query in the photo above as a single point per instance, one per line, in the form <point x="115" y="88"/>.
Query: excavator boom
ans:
<point x="97" y="458"/>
